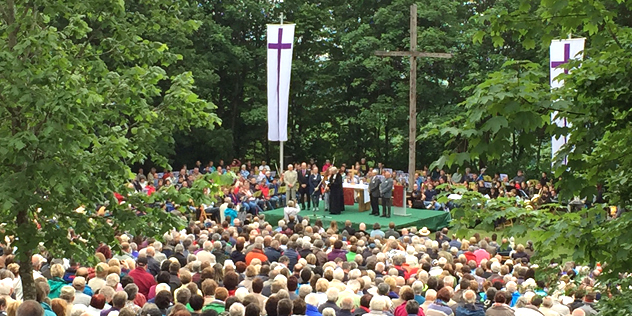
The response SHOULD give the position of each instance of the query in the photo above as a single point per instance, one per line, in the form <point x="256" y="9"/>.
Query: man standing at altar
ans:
<point x="303" y="190"/>
<point x="374" y="192"/>
<point x="386" y="193"/>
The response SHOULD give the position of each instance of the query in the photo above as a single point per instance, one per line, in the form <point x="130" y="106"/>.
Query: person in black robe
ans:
<point x="336" y="195"/>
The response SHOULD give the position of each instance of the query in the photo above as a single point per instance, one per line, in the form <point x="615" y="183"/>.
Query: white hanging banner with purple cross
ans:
<point x="562" y="51"/>
<point x="280" y="46"/>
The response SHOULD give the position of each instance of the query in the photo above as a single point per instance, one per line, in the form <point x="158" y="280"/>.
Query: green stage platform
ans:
<point x="434" y="220"/>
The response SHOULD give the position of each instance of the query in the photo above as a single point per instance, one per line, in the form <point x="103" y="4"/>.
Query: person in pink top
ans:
<point x="326" y="165"/>
<point x="481" y="253"/>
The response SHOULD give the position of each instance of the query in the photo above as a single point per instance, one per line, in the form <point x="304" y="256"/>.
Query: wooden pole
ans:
<point x="412" y="132"/>
<point x="413" y="54"/>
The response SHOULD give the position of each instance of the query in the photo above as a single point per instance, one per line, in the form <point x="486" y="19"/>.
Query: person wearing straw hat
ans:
<point x="424" y="232"/>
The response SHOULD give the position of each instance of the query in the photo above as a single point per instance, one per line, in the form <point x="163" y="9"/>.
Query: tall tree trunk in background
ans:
<point x="378" y="148"/>
<point x="24" y="257"/>
<point x="513" y="147"/>
<point x="539" y="153"/>
<point x="386" y="142"/>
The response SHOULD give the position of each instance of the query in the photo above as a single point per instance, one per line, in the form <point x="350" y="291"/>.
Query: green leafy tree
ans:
<point x="594" y="99"/>
<point x="84" y="95"/>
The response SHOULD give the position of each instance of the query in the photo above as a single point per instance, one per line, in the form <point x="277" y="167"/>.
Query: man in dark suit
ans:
<point x="386" y="193"/>
<point x="303" y="190"/>
<point x="313" y="188"/>
<point x="374" y="192"/>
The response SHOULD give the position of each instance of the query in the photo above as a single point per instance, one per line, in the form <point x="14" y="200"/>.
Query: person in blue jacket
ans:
<point x="230" y="211"/>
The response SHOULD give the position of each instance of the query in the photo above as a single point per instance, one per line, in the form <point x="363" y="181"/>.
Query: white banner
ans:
<point x="562" y="51"/>
<point x="280" y="46"/>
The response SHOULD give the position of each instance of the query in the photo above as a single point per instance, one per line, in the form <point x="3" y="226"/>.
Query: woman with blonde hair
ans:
<point x="56" y="282"/>
<point x="333" y="228"/>
<point x="12" y="308"/>
<point x="520" y="254"/>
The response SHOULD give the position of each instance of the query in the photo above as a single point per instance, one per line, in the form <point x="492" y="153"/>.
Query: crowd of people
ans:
<point x="253" y="268"/>
<point x="259" y="188"/>
<point x="231" y="265"/>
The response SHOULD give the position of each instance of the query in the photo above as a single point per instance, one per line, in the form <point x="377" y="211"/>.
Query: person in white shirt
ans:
<point x="264" y="166"/>
<point x="290" y="210"/>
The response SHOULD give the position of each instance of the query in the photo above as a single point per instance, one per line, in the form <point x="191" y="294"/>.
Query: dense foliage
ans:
<point x="84" y="94"/>
<point x="345" y="101"/>
<point x="511" y="109"/>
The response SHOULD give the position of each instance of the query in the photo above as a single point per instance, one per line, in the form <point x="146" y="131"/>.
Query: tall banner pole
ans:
<point x="281" y="142"/>
<point x="280" y="46"/>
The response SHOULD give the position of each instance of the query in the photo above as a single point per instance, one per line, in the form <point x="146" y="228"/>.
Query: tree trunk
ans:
<point x="513" y="147"/>
<point x="24" y="258"/>
<point x="538" y="155"/>
<point x="386" y="149"/>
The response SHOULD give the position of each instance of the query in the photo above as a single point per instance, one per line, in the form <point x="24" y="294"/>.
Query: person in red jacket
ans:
<point x="143" y="279"/>
<point x="256" y="252"/>
<point x="469" y="255"/>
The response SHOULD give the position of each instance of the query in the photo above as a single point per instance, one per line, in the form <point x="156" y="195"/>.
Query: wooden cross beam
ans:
<point x="413" y="54"/>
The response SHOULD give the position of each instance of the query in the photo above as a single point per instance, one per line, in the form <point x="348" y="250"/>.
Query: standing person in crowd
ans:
<point x="313" y="186"/>
<point x="336" y="195"/>
<point x="364" y="168"/>
<point x="386" y="193"/>
<point x="290" y="177"/>
<point x="374" y="192"/>
<point x="326" y="166"/>
<point x="303" y="190"/>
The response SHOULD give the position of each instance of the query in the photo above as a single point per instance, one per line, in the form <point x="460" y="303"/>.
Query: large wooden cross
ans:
<point x="413" y="54"/>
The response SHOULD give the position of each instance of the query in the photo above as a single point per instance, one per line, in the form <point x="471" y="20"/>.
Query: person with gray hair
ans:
<point x="377" y="306"/>
<point x="150" y="309"/>
<point x="237" y="309"/>
<point x="328" y="312"/>
<point x="382" y="291"/>
<point x="178" y="253"/>
<point x="311" y="300"/>
<point x="304" y="290"/>
<point x="78" y="310"/>
<point x="431" y="296"/>
<point x="158" y="255"/>
<point x="132" y="290"/>
<point x="469" y="306"/>
<point x="79" y="284"/>
<point x="346" y="306"/>
<point x="545" y="308"/>
<point x="205" y="255"/>
<point x="118" y="302"/>
<point x="418" y="289"/>
<point x="332" y="297"/>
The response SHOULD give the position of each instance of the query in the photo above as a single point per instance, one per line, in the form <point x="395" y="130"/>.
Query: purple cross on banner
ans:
<point x="567" y="57"/>
<point x="279" y="46"/>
